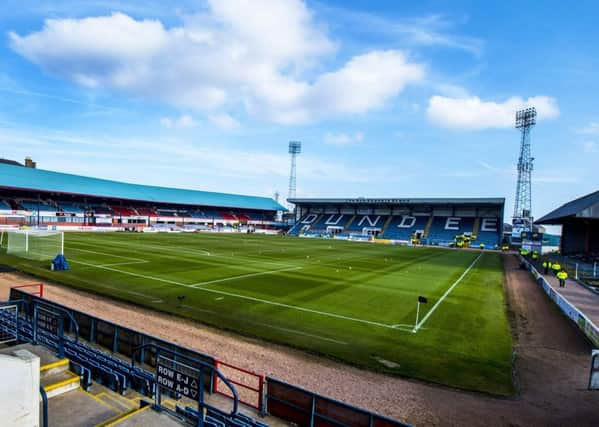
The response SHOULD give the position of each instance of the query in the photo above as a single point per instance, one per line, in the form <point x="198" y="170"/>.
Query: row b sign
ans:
<point x="178" y="382"/>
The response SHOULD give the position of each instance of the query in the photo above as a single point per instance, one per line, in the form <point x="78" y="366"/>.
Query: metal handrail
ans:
<point x="44" y="407"/>
<point x="192" y="360"/>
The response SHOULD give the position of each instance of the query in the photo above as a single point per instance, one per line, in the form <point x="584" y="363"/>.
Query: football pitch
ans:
<point x="354" y="302"/>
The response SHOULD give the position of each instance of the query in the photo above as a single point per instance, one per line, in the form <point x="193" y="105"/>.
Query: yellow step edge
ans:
<point x="129" y="415"/>
<point x="61" y="362"/>
<point x="61" y="383"/>
<point x="99" y="400"/>
<point x="113" y="418"/>
<point x="123" y="401"/>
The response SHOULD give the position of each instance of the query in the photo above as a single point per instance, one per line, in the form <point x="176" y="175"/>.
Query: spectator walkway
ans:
<point x="584" y="299"/>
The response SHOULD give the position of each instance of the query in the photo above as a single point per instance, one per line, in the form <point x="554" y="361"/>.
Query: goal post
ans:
<point x="37" y="245"/>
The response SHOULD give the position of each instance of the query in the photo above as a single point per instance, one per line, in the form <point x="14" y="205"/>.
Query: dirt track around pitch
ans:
<point x="551" y="364"/>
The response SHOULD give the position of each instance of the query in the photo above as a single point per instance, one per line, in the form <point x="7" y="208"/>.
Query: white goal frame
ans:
<point x="32" y="233"/>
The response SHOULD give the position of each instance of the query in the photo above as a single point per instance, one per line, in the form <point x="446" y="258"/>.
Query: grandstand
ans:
<point x="429" y="221"/>
<point x="30" y="196"/>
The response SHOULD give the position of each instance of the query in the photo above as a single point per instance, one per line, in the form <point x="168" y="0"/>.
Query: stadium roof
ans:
<point x="583" y="207"/>
<point x="22" y="178"/>
<point x="393" y="201"/>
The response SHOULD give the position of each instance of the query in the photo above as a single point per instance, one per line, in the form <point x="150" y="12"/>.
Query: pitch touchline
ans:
<point x="278" y="304"/>
<point x="447" y="292"/>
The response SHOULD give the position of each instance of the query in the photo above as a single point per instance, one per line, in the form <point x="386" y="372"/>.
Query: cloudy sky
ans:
<point x="390" y="99"/>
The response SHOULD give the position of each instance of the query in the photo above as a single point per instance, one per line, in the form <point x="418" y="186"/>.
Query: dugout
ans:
<point x="579" y="220"/>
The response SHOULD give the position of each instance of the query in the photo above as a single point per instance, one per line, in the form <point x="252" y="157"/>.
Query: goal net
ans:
<point x="35" y="244"/>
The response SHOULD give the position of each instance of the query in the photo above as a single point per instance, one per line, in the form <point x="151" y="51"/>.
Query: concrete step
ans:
<point x="54" y="368"/>
<point x="59" y="383"/>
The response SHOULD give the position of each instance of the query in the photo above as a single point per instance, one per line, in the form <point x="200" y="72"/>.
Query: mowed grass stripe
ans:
<point x="466" y="342"/>
<point x="193" y="286"/>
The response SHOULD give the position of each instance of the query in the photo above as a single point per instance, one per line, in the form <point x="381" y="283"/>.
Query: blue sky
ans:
<point x="390" y="99"/>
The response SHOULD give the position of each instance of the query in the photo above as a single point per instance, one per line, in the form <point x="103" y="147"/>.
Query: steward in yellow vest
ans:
<point x="562" y="276"/>
<point x="556" y="268"/>
<point x="545" y="266"/>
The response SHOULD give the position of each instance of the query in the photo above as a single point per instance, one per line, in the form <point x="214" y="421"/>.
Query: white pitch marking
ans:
<point x="219" y="298"/>
<point x="124" y="263"/>
<point x="243" y="276"/>
<point x="278" y="304"/>
<point x="447" y="292"/>
<point x="104" y="253"/>
<point x="293" y="331"/>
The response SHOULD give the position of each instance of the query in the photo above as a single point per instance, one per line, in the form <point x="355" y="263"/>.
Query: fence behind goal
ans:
<point x="35" y="244"/>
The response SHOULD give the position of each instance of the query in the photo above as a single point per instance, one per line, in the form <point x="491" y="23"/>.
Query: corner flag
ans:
<point x="422" y="299"/>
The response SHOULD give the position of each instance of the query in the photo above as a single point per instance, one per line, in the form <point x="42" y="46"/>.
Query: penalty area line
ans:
<point x="245" y="297"/>
<point x="447" y="292"/>
<point x="243" y="276"/>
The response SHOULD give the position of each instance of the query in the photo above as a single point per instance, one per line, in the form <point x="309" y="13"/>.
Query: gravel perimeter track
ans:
<point x="552" y="362"/>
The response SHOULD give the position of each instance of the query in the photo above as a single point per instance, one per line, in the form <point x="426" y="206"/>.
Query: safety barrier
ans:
<point x="268" y="395"/>
<point x="588" y="328"/>
<point x="306" y="408"/>
<point x="251" y="384"/>
<point x="39" y="292"/>
<point x="115" y="338"/>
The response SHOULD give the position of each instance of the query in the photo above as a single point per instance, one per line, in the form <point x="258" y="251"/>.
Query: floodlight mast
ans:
<point x="525" y="120"/>
<point x="295" y="148"/>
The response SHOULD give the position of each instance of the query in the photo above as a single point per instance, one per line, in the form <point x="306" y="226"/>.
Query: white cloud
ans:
<point x="474" y="113"/>
<point x="592" y="129"/>
<point x="206" y="163"/>
<point x="230" y="55"/>
<point x="182" y="122"/>
<point x="223" y="121"/>
<point x="343" y="138"/>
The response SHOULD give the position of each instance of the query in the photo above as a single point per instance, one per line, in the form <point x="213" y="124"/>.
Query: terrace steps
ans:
<point x="428" y="227"/>
<point x="386" y="225"/>
<point x="349" y="223"/>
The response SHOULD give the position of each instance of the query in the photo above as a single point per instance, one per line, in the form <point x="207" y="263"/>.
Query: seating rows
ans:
<point x="215" y="418"/>
<point x="123" y="211"/>
<point x="361" y="222"/>
<point x="34" y="205"/>
<point x="80" y="208"/>
<point x="116" y="373"/>
<point x="147" y="212"/>
<point x="69" y="207"/>
<point x="403" y="227"/>
<point x="443" y="229"/>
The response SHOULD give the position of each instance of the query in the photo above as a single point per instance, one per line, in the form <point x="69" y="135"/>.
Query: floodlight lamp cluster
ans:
<point x="526" y="118"/>
<point x="295" y="147"/>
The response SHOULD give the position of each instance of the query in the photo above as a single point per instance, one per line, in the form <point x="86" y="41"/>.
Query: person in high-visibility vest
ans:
<point x="535" y="256"/>
<point x="556" y="268"/>
<point x="482" y="245"/>
<point x="505" y="248"/>
<point x="562" y="276"/>
<point x="546" y="266"/>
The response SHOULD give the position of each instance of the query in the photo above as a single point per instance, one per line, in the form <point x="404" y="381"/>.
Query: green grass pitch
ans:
<point x="354" y="302"/>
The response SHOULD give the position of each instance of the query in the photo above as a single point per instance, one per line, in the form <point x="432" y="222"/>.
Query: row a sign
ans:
<point x="178" y="382"/>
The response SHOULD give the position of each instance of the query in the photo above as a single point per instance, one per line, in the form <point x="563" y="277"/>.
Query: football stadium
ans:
<point x="148" y="277"/>
<point x="407" y="288"/>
